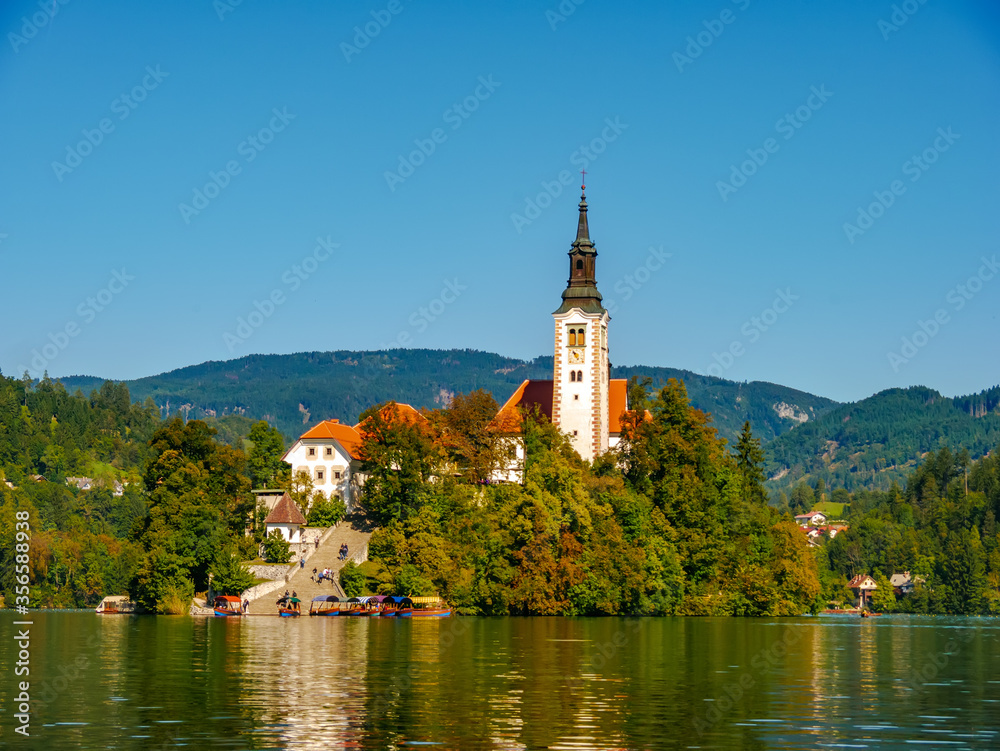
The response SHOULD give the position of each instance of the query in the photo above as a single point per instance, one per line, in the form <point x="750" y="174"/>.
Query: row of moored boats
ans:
<point x="374" y="606"/>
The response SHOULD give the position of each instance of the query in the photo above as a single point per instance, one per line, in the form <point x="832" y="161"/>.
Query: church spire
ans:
<point x="582" y="228"/>
<point x="581" y="288"/>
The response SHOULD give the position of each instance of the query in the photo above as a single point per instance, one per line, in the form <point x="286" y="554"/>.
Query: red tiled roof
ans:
<point x="345" y="435"/>
<point x="858" y="580"/>
<point x="617" y="403"/>
<point x="391" y="412"/>
<point x="529" y="394"/>
<point x="285" y="512"/>
<point x="539" y="393"/>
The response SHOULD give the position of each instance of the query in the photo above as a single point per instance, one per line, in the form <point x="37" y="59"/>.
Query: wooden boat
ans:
<point x="115" y="605"/>
<point x="866" y="614"/>
<point x="356" y="607"/>
<point x="227" y="605"/>
<point x="288" y="607"/>
<point x="325" y="605"/>
<point x="400" y="608"/>
<point x="428" y="607"/>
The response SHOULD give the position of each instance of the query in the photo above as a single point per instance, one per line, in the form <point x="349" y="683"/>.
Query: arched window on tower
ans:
<point x="579" y="375"/>
<point x="572" y="375"/>
<point x="579" y="267"/>
<point x="572" y="337"/>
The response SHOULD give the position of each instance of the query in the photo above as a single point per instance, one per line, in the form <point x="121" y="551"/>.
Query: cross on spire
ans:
<point x="583" y="179"/>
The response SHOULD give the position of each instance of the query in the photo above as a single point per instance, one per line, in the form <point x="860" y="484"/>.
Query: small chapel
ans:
<point x="582" y="399"/>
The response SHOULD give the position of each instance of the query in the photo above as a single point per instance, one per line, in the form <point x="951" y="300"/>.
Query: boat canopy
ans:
<point x="405" y="602"/>
<point x="227" y="598"/>
<point x="354" y="599"/>
<point x="115" y="599"/>
<point x="326" y="598"/>
<point x="377" y="598"/>
<point x="426" y="600"/>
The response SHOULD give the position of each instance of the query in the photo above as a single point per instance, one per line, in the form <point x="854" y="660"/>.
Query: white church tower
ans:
<point x="581" y="377"/>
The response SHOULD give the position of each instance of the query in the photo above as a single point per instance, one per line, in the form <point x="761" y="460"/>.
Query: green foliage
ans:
<point x="230" y="576"/>
<point x="473" y="450"/>
<point x="398" y="456"/>
<point x="162" y="583"/>
<point x="264" y="465"/>
<point x="941" y="532"/>
<point x="669" y="533"/>
<point x="883" y="599"/>
<point x="326" y="512"/>
<point x="276" y="548"/>
<point x="352" y="580"/>
<point x="749" y="465"/>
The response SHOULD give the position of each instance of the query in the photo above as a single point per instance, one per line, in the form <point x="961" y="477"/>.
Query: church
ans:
<point x="582" y="399"/>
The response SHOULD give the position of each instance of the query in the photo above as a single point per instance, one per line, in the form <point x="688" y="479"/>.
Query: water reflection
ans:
<point x="510" y="683"/>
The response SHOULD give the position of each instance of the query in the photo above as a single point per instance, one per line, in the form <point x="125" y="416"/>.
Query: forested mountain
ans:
<point x="295" y="391"/>
<point x="880" y="440"/>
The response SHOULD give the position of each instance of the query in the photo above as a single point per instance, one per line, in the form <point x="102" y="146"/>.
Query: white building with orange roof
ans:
<point x="328" y="452"/>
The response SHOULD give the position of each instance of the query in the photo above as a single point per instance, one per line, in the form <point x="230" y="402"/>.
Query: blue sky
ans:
<point x="357" y="175"/>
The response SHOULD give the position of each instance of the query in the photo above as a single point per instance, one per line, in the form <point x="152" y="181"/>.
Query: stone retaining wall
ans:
<point x="260" y="590"/>
<point x="270" y="571"/>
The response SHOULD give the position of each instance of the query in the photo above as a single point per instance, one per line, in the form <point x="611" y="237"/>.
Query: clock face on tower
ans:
<point x="576" y="355"/>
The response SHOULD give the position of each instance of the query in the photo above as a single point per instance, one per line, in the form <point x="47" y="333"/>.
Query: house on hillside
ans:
<point x="814" y="518"/>
<point x="862" y="585"/>
<point x="89" y="483"/>
<point x="327" y="452"/>
<point x="268" y="498"/>
<point x="903" y="584"/>
<point x="287" y="519"/>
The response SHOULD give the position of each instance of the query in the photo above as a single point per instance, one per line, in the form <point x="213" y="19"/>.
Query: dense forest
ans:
<point x="879" y="441"/>
<point x="294" y="391"/>
<point x="168" y="502"/>
<point x="941" y="527"/>
<point x="676" y="521"/>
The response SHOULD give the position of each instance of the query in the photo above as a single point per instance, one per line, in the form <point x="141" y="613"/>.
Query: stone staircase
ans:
<point x="355" y="532"/>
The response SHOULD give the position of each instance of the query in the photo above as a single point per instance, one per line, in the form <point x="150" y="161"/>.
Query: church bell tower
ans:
<point x="580" y="378"/>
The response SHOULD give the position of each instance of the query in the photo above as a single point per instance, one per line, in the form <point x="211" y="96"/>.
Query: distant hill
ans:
<point x="879" y="440"/>
<point x="294" y="391"/>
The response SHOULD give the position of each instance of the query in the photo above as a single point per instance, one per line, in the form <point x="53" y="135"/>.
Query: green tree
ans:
<point x="303" y="491"/>
<point x="326" y="513"/>
<point x="398" y="457"/>
<point x="264" y="465"/>
<point x="802" y="499"/>
<point x="352" y="580"/>
<point x="750" y="465"/>
<point x="230" y="576"/>
<point x="964" y="573"/>
<point x="465" y="434"/>
<point x="883" y="599"/>
<point x="638" y="393"/>
<point x="276" y="548"/>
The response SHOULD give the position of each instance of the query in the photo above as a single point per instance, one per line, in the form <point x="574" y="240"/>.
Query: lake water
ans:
<point x="128" y="682"/>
